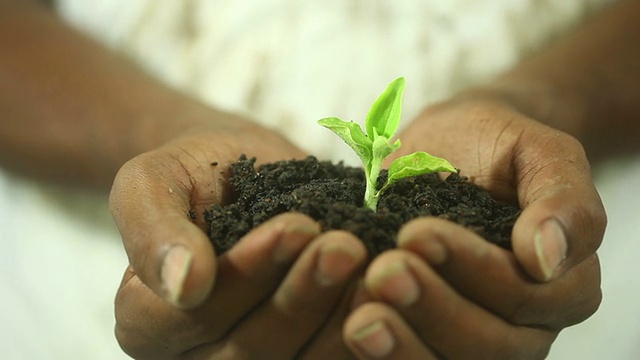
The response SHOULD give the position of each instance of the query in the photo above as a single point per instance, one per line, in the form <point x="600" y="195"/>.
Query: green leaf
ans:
<point x="352" y="134"/>
<point x="416" y="164"/>
<point x="374" y="146"/>
<point x="382" y="148"/>
<point x="384" y="116"/>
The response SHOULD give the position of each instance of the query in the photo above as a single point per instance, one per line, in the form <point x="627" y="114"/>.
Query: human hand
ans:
<point x="168" y="306"/>
<point x="282" y="291"/>
<point x="153" y="193"/>
<point x="466" y="298"/>
<point x="522" y="161"/>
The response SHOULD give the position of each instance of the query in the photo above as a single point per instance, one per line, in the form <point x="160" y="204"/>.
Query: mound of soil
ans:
<point x="333" y="195"/>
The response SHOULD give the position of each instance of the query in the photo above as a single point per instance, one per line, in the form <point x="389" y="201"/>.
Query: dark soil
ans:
<point x="333" y="195"/>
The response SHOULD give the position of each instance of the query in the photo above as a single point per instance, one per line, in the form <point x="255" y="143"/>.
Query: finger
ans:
<point x="441" y="317"/>
<point x="150" y="201"/>
<point x="254" y="268"/>
<point x="140" y="321"/>
<point x="376" y="331"/>
<point x="247" y="274"/>
<point x="303" y="302"/>
<point x="563" y="220"/>
<point x="457" y="254"/>
<point x="328" y="342"/>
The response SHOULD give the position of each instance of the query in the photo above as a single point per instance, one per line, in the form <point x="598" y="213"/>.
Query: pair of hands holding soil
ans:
<point x="288" y="291"/>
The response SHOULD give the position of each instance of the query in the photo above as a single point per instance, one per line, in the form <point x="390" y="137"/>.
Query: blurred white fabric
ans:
<point x="613" y="332"/>
<point x="286" y="64"/>
<point x="60" y="265"/>
<point x="289" y="63"/>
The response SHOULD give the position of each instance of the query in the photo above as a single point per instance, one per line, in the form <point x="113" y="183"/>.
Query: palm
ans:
<point x="492" y="145"/>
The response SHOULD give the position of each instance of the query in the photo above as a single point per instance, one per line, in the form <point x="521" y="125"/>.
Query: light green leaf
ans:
<point x="382" y="148"/>
<point x="352" y="134"/>
<point x="384" y="116"/>
<point x="373" y="146"/>
<point x="416" y="164"/>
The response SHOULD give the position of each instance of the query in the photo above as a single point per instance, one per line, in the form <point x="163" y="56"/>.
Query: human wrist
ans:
<point x="546" y="103"/>
<point x="225" y="133"/>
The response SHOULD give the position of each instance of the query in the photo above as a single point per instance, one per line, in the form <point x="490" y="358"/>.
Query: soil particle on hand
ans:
<point x="332" y="194"/>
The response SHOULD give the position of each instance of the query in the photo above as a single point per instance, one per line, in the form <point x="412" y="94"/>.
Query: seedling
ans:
<point x="375" y="145"/>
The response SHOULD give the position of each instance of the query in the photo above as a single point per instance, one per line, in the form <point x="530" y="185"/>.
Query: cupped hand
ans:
<point x="178" y="300"/>
<point x="282" y="291"/>
<point x="520" y="160"/>
<point x="154" y="192"/>
<point x="448" y="293"/>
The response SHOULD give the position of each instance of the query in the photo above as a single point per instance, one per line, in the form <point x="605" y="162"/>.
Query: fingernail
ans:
<point x="175" y="268"/>
<point x="396" y="284"/>
<point x="550" y="244"/>
<point x="375" y="340"/>
<point x="335" y="263"/>
<point x="290" y="243"/>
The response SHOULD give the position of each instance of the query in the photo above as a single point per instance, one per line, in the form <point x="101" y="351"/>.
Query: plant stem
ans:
<point x="371" y="196"/>
<point x="371" y="193"/>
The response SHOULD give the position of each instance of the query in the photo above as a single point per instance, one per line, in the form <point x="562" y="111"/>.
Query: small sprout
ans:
<point x="374" y="146"/>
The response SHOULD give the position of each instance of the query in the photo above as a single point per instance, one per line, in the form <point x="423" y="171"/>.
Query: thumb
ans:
<point x="168" y="252"/>
<point x="563" y="220"/>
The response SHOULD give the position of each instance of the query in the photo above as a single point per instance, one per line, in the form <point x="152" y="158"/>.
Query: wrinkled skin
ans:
<point x="444" y="293"/>
<point x="499" y="304"/>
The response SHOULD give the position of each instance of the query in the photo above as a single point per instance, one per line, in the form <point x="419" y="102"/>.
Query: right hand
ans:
<point x="283" y="278"/>
<point x="178" y="300"/>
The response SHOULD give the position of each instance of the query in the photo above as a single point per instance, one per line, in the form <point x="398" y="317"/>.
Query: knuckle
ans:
<point x="134" y="338"/>
<point x="595" y="218"/>
<point x="127" y="337"/>
<point x="524" y="310"/>
<point x="232" y="350"/>
<point x="129" y="342"/>
<point x="552" y="307"/>
<point x="292" y="305"/>
<point x="523" y="344"/>
<point x="136" y="345"/>
<point x="588" y="300"/>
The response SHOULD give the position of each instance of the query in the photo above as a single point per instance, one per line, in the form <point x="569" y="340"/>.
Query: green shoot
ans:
<point x="374" y="145"/>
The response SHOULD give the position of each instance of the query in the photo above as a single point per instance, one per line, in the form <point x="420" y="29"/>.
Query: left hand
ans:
<point x="445" y="292"/>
